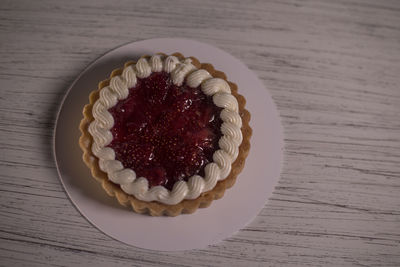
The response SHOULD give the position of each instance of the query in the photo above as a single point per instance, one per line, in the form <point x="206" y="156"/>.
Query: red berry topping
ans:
<point x="165" y="132"/>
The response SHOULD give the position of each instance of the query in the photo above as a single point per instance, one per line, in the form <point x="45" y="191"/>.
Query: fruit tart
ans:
<point x="166" y="134"/>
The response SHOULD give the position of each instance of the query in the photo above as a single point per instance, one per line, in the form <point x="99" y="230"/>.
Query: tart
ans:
<point x="166" y="134"/>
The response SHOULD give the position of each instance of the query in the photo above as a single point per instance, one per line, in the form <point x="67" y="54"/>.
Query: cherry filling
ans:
<point x="165" y="132"/>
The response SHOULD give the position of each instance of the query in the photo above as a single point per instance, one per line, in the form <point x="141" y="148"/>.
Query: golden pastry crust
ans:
<point x="155" y="208"/>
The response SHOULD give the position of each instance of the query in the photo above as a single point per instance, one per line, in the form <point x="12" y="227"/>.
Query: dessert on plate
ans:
<point x="166" y="134"/>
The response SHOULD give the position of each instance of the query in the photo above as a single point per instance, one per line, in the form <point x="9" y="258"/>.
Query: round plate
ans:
<point x="206" y="226"/>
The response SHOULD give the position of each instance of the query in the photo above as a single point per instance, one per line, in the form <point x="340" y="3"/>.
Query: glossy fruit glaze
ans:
<point x="165" y="132"/>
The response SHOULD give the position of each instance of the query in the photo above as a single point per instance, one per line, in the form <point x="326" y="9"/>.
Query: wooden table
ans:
<point x="333" y="69"/>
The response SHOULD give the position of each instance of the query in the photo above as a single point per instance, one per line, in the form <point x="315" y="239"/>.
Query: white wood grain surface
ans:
<point x="333" y="69"/>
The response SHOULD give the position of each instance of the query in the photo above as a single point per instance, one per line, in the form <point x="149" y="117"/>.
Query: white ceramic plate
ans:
<point x="224" y="217"/>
